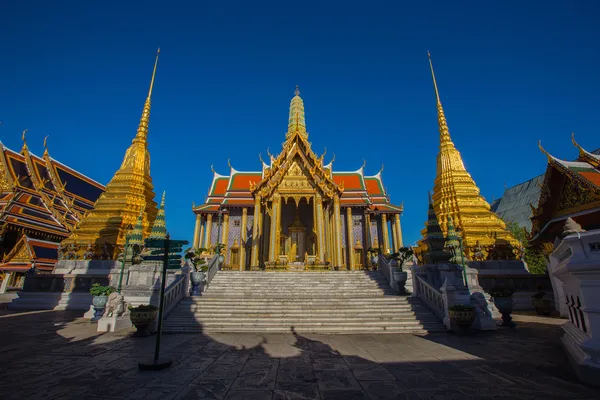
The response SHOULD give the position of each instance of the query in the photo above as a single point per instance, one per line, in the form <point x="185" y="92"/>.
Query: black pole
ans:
<point x="162" y="297"/>
<point x="165" y="363"/>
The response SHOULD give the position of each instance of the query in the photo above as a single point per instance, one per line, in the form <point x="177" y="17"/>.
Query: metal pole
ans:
<point x="218" y="252"/>
<point x="123" y="263"/>
<point x="162" y="296"/>
<point x="462" y="256"/>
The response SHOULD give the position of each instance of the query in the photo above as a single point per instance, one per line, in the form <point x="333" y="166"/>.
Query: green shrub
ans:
<point x="144" y="307"/>
<point x="501" y="292"/>
<point x="99" y="290"/>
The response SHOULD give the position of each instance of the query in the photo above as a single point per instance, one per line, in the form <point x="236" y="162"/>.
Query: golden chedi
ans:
<point x="456" y="195"/>
<point x="129" y="192"/>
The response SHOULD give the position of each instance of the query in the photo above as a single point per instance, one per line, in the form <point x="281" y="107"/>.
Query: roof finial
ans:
<point x="581" y="150"/>
<point x="333" y="159"/>
<point x="296" y="122"/>
<point x="229" y="162"/>
<point x="212" y="168"/>
<point x="297" y="91"/>
<point x="437" y="94"/>
<point x="544" y="151"/>
<point x="46" y="144"/>
<point x="381" y="170"/>
<point x="24" y="139"/>
<point x="364" y="164"/>
<point x="142" y="132"/>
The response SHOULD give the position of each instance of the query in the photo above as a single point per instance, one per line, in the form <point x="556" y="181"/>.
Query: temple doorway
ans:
<point x="297" y="231"/>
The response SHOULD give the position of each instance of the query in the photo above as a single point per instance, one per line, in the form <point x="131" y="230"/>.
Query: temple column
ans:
<point x="197" y="230"/>
<point x="350" y="242"/>
<point x="398" y="231"/>
<point x="243" y="238"/>
<point x="320" y="225"/>
<point x="337" y="224"/>
<point x="255" y="232"/>
<point x="394" y="237"/>
<point x="273" y="236"/>
<point x="207" y="243"/>
<point x="201" y="236"/>
<point x="367" y="244"/>
<point x="225" y="236"/>
<point x="386" y="236"/>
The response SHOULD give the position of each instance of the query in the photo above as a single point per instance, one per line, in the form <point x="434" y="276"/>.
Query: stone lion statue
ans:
<point x="480" y="303"/>
<point x="115" y="306"/>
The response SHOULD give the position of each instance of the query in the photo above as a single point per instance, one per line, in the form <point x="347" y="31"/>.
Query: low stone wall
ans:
<point x="513" y="275"/>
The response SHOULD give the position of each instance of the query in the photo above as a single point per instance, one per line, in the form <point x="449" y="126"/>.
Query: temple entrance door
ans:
<point x="297" y="232"/>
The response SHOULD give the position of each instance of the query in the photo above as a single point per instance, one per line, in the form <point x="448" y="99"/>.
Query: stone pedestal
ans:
<point x="111" y="324"/>
<point x="89" y="314"/>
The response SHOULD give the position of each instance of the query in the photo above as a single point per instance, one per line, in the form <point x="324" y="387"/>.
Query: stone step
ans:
<point x="291" y="314"/>
<point x="301" y="330"/>
<point x="410" y="320"/>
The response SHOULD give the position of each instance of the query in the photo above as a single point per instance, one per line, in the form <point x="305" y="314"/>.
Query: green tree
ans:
<point x="536" y="262"/>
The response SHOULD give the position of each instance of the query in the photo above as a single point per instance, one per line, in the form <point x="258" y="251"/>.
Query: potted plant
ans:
<point x="198" y="275"/>
<point x="143" y="317"/>
<point x="503" y="300"/>
<point x="400" y="276"/>
<point x="542" y="305"/>
<point x="462" y="316"/>
<point x="99" y="298"/>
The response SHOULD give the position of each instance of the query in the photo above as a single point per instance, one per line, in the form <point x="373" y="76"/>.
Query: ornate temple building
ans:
<point x="297" y="212"/>
<point x="569" y="189"/>
<point x="128" y="196"/>
<point x="41" y="202"/>
<point x="456" y="195"/>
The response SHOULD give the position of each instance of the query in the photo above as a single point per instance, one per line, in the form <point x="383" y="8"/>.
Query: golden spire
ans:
<point x="142" y="132"/>
<point x="456" y="196"/>
<point x="296" y="122"/>
<point x="442" y="124"/>
<point x="129" y="196"/>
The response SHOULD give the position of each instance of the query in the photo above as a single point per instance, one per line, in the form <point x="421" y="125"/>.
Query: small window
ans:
<point x="236" y="222"/>
<point x="357" y="222"/>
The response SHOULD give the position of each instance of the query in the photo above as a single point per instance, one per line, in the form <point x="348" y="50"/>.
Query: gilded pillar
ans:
<point x="197" y="230"/>
<point x="244" y="237"/>
<point x="274" y="236"/>
<point x="386" y="236"/>
<point x="320" y="227"/>
<point x="394" y="236"/>
<point x="255" y="232"/>
<point x="367" y="245"/>
<point x="398" y="231"/>
<point x="201" y="236"/>
<point x="350" y="241"/>
<point x="337" y="224"/>
<point x="225" y="236"/>
<point x="208" y="231"/>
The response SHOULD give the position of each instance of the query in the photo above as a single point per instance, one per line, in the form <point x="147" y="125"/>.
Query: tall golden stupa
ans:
<point x="129" y="192"/>
<point x="455" y="194"/>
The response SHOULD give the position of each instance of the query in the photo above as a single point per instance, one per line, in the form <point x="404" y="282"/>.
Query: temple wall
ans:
<point x="373" y="229"/>
<point x="358" y="228"/>
<point x="214" y="233"/>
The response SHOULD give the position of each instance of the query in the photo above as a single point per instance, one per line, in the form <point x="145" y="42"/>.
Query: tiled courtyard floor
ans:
<point x="52" y="355"/>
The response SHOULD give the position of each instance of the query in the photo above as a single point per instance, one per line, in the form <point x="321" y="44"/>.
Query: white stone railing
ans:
<point x="432" y="297"/>
<point x="175" y="292"/>
<point x="213" y="267"/>
<point x="386" y="269"/>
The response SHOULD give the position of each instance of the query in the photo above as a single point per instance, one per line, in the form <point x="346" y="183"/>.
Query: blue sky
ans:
<point x="509" y="73"/>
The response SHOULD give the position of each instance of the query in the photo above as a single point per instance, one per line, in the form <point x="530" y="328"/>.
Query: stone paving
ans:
<point x="54" y="355"/>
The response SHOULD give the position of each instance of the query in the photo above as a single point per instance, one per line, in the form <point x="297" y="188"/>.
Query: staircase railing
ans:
<point x="175" y="292"/>
<point x="432" y="297"/>
<point x="386" y="269"/>
<point x="213" y="267"/>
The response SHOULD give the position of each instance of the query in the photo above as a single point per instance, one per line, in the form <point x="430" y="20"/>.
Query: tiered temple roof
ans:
<point x="41" y="201"/>
<point x="570" y="189"/>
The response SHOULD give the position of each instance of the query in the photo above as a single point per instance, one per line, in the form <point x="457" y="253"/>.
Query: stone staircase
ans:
<point x="323" y="302"/>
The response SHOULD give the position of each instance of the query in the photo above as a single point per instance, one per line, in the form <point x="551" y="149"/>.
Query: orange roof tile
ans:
<point x="374" y="187"/>
<point x="591" y="176"/>
<point x="241" y="181"/>
<point x="220" y="186"/>
<point x="351" y="181"/>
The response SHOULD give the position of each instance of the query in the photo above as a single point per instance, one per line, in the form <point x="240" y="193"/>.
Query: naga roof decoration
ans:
<point x="455" y="193"/>
<point x="296" y="158"/>
<point x="570" y="189"/>
<point x="129" y="193"/>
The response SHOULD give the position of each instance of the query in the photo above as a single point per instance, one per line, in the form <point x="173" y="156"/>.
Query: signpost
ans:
<point x="164" y="246"/>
